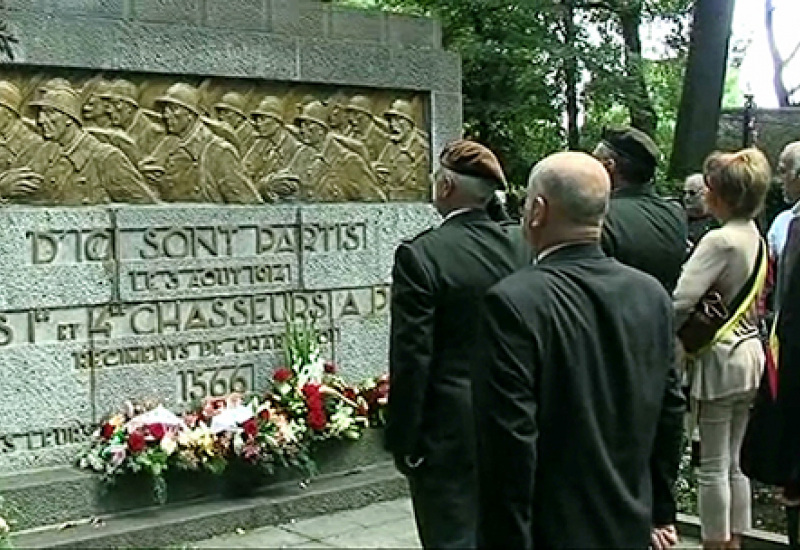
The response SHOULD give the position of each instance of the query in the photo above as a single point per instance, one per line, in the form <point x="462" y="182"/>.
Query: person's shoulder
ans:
<point x="637" y="281"/>
<point x="780" y="220"/>
<point x="526" y="281"/>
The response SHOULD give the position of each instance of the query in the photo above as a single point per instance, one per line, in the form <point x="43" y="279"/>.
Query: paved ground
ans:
<point x="382" y="525"/>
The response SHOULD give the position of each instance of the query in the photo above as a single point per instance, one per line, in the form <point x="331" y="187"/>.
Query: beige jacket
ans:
<point x="724" y="259"/>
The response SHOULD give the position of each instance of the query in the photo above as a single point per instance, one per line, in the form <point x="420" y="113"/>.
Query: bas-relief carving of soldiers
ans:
<point x="403" y="165"/>
<point x="97" y="117"/>
<point x="365" y="127"/>
<point x="269" y="158"/>
<point x="328" y="170"/>
<point x="124" y="112"/>
<point x="338" y="116"/>
<point x="18" y="146"/>
<point x="81" y="170"/>
<point x="231" y="110"/>
<point x="192" y="164"/>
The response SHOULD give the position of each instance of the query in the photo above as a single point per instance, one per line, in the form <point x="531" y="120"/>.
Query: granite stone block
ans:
<point x="446" y="122"/>
<point x="363" y="351"/>
<point x="350" y="63"/>
<point x="413" y="31"/>
<point x="92" y="8"/>
<point x="360" y="25"/>
<point x="366" y="259"/>
<point x="47" y="407"/>
<point x="46" y="39"/>
<point x="197" y="50"/>
<point x="237" y="14"/>
<point x="427" y="69"/>
<point x="169" y="11"/>
<point x="299" y="18"/>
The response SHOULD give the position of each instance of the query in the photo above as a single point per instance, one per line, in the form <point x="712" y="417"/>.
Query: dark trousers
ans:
<point x="793" y="526"/>
<point x="445" y="507"/>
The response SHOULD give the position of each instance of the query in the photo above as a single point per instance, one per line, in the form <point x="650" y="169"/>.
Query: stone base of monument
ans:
<point x="67" y="507"/>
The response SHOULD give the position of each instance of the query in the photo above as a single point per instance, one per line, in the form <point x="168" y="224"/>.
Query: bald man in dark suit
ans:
<point x="579" y="379"/>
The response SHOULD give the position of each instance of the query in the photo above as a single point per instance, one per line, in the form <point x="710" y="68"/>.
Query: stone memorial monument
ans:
<point x="180" y="178"/>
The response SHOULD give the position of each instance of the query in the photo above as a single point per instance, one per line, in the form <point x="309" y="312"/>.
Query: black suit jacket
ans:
<point x="438" y="285"/>
<point x="644" y="231"/>
<point x="581" y="377"/>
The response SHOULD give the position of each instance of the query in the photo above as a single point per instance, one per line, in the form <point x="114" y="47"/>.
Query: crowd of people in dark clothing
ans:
<point x="546" y="374"/>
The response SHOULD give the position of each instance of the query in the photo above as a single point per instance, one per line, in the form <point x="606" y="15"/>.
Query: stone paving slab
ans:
<point x="382" y="525"/>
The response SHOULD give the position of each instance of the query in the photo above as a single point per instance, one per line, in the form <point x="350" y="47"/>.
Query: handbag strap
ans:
<point x="747" y="295"/>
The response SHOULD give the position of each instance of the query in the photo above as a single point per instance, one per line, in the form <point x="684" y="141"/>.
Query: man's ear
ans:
<point x="446" y="186"/>
<point x="539" y="212"/>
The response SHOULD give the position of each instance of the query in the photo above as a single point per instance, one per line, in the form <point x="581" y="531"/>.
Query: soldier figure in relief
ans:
<point x="328" y="170"/>
<point x="366" y="128"/>
<point x="124" y="111"/>
<point x="80" y="169"/>
<point x="231" y="110"/>
<point x="192" y="164"/>
<point x="403" y="165"/>
<point x="269" y="158"/>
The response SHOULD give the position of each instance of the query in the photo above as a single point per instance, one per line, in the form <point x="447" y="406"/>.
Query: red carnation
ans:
<point x="282" y="375"/>
<point x="311" y="391"/>
<point x="107" y="431"/>
<point x="157" y="430"/>
<point x="263" y="414"/>
<point x="330" y="367"/>
<point x="136" y="442"/>
<point x="317" y="420"/>
<point x="250" y="427"/>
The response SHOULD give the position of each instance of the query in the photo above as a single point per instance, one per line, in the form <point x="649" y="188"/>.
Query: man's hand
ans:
<point x="19" y="182"/>
<point x="663" y="538"/>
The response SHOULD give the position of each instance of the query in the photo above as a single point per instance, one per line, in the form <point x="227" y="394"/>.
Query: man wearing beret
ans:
<point x="648" y="233"/>
<point x="438" y="285"/>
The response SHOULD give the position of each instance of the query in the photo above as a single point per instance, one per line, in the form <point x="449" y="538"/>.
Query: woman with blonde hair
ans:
<point x="725" y="374"/>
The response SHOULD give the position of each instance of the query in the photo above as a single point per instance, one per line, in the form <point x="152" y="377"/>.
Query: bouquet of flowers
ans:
<point x="307" y="402"/>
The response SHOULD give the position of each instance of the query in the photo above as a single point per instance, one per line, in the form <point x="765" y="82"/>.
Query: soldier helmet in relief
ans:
<point x="270" y="106"/>
<point x="233" y="101"/>
<point x="401" y="108"/>
<point x="361" y="104"/>
<point x="473" y="159"/>
<point x="315" y="112"/>
<point x="10" y="96"/>
<point x="121" y="89"/>
<point x="61" y="99"/>
<point x="181" y="94"/>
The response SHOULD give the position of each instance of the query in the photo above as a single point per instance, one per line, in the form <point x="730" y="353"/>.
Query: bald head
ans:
<point x="576" y="186"/>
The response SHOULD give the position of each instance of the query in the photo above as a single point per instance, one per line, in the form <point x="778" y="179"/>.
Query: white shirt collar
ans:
<point x="456" y="212"/>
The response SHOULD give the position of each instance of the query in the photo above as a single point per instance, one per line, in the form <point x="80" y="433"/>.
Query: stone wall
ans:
<point x="176" y="302"/>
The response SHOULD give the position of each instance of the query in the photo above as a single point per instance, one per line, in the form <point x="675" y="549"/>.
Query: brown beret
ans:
<point x="473" y="159"/>
<point x="633" y="144"/>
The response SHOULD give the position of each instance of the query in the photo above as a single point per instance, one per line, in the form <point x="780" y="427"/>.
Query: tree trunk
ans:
<point x="703" y="86"/>
<point x="643" y="114"/>
<point x="570" y="69"/>
<point x="777" y="61"/>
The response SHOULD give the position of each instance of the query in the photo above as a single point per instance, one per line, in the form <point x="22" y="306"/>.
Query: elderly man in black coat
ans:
<point x="438" y="284"/>
<point x="579" y="380"/>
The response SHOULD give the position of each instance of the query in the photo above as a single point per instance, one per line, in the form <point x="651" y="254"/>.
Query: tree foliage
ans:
<point x="541" y="75"/>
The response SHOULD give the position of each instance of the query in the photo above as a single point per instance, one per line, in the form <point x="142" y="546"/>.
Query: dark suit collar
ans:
<point x="573" y="251"/>
<point x="646" y="189"/>
<point x="468" y="216"/>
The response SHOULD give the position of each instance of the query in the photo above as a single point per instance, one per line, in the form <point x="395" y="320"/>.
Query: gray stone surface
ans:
<point x="238" y="14"/>
<point x="351" y="24"/>
<point x="86" y="297"/>
<point x="414" y="31"/>
<point x="169" y="11"/>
